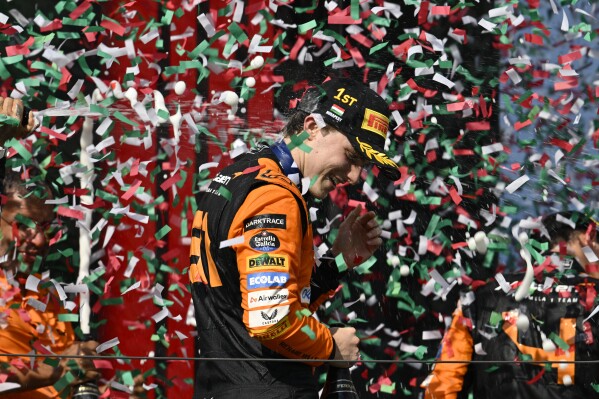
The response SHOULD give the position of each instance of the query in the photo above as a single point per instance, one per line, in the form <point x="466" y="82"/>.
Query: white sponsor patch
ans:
<point x="267" y="317"/>
<point x="258" y="299"/>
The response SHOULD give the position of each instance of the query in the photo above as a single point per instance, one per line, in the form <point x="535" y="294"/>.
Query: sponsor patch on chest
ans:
<point x="266" y="280"/>
<point x="265" y="241"/>
<point x="267" y="317"/>
<point x="266" y="221"/>
<point x="274" y="261"/>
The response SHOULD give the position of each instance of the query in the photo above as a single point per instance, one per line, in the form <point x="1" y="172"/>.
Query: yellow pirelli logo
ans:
<point x="375" y="122"/>
<point x="276" y="331"/>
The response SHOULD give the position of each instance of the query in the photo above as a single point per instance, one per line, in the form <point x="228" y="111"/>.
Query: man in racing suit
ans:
<point x="554" y="323"/>
<point x="253" y="273"/>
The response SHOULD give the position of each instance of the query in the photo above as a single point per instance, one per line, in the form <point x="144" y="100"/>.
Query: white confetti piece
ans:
<point x="489" y="26"/>
<point x="31" y="283"/>
<point x="107" y="345"/>
<point x="492" y="148"/>
<point x="37" y="305"/>
<point x="207" y="24"/>
<point x="516" y="184"/>
<point x="133" y="287"/>
<point x="443" y="80"/>
<point x="478" y="348"/>
<point x="565" y="23"/>
<point x="160" y="315"/>
<point x="590" y="254"/>
<point x="503" y="284"/>
<point x="593" y="313"/>
<point x="232" y="242"/>
<point x="431" y="335"/>
<point x="7" y="386"/>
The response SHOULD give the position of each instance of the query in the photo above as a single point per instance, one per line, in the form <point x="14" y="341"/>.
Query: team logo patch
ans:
<point x="274" y="332"/>
<point x="258" y="299"/>
<point x="265" y="241"/>
<point x="267" y="280"/>
<point x="266" y="260"/>
<point x="375" y="122"/>
<point x="266" y="221"/>
<point x="305" y="294"/>
<point x="267" y="317"/>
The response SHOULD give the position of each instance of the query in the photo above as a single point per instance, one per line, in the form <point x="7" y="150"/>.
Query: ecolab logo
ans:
<point x="267" y="279"/>
<point x="268" y="297"/>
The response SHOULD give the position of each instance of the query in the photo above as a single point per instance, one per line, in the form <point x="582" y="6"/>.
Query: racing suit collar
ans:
<point x="287" y="163"/>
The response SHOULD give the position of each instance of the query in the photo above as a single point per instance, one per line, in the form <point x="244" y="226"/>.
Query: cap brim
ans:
<point x="377" y="156"/>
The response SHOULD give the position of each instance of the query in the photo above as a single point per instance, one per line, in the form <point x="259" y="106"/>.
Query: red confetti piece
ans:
<point x="52" y="133"/>
<point x="170" y="181"/>
<point x="20" y="49"/>
<point x="77" y="12"/>
<point x="564" y="145"/>
<point x="70" y="213"/>
<point x="113" y="27"/>
<point x="520" y="125"/>
<point x="440" y="10"/>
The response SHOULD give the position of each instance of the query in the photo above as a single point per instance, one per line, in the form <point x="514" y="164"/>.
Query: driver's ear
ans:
<point x="311" y="127"/>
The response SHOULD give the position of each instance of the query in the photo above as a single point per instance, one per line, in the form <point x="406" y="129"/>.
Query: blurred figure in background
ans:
<point x="29" y="304"/>
<point x="556" y="322"/>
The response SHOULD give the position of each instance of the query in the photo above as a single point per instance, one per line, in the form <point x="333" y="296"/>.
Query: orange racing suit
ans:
<point x="255" y="283"/>
<point x="25" y="326"/>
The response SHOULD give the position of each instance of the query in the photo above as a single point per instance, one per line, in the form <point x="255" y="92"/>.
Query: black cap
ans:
<point x="359" y="113"/>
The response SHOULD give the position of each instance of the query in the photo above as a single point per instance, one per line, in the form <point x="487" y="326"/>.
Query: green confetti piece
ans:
<point x="64" y="382"/>
<point x="126" y="120"/>
<point x="308" y="331"/>
<point x="99" y="109"/>
<point x="559" y="342"/>
<point x="377" y="48"/>
<point x="305" y="27"/>
<point x="420" y="352"/>
<point x="495" y="319"/>
<point x="595" y="386"/>
<point x="304" y="312"/>
<point x="68" y="318"/>
<point x="225" y="193"/>
<point x="432" y="226"/>
<point x="237" y="32"/>
<point x="297" y="140"/>
<point x="9" y="120"/>
<point x="340" y="262"/>
<point x="492" y="369"/>
<point x="162" y="232"/>
<point x="112" y="301"/>
<point x="364" y="268"/>
<point x="390" y="389"/>
<point x="19" y="148"/>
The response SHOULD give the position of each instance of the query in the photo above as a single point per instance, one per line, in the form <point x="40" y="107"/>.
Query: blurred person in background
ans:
<point x="556" y="322"/>
<point x="29" y="304"/>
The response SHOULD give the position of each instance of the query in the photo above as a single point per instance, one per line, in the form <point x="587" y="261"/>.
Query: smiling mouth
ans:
<point x="335" y="181"/>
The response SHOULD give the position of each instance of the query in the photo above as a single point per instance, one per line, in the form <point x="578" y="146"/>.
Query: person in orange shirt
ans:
<point x="555" y="322"/>
<point x="29" y="304"/>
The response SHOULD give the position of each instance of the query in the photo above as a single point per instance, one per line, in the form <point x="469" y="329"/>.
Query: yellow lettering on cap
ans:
<point x="375" y="122"/>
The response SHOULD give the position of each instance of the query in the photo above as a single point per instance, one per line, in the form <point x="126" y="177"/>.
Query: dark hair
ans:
<point x="560" y="231"/>
<point x="35" y="185"/>
<point x="295" y="124"/>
